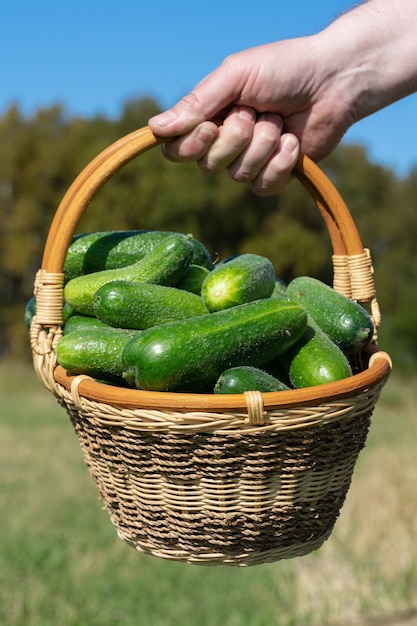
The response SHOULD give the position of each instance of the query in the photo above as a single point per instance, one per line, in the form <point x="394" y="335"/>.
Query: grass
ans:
<point x="61" y="563"/>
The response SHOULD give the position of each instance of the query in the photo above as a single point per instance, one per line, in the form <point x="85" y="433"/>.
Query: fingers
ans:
<point x="213" y="147"/>
<point x="252" y="149"/>
<point x="235" y="134"/>
<point x="192" y="146"/>
<point x="264" y="144"/>
<point x="277" y="171"/>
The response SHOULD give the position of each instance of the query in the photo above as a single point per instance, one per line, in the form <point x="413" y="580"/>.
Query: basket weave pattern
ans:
<point x="239" y="480"/>
<point x="206" y="493"/>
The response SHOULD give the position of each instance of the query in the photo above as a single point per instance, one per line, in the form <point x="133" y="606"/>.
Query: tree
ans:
<point x="42" y="154"/>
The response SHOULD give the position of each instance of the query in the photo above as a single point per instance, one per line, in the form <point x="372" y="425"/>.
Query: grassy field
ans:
<point x="61" y="563"/>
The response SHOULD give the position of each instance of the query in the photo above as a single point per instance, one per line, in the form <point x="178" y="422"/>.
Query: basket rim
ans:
<point x="353" y="275"/>
<point x="379" y="368"/>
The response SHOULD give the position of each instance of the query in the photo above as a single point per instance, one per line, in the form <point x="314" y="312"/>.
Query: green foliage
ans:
<point x="41" y="155"/>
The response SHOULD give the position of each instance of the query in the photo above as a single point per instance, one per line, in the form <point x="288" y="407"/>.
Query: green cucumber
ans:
<point x="246" y="378"/>
<point x="95" y="352"/>
<point x="280" y="289"/>
<point x="192" y="279"/>
<point x="165" y="264"/>
<point x="93" y="252"/>
<point x="30" y="311"/>
<point x="245" y="278"/>
<point x="314" y="359"/>
<point x="190" y="355"/>
<point x="140" y="305"/>
<point x="78" y="322"/>
<point x="345" y="321"/>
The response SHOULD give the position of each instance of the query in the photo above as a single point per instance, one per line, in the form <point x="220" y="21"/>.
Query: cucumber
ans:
<point x="165" y="264"/>
<point x="139" y="305"/>
<point x="93" y="252"/>
<point x="314" y="359"/>
<point x="193" y="278"/>
<point x="97" y="353"/>
<point x="345" y="321"/>
<point x="245" y="278"/>
<point x="77" y="322"/>
<point x="190" y="355"/>
<point x="30" y="311"/>
<point x="247" y="378"/>
<point x="280" y="289"/>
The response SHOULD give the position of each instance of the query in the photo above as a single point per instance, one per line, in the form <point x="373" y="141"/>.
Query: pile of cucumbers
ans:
<point x="150" y="310"/>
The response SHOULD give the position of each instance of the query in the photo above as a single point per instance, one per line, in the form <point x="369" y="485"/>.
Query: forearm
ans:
<point x="306" y="91"/>
<point x="371" y="54"/>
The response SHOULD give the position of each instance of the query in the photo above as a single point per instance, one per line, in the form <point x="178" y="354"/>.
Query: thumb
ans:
<point x="213" y="94"/>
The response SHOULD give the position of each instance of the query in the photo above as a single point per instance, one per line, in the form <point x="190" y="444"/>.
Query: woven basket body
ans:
<point x="207" y="479"/>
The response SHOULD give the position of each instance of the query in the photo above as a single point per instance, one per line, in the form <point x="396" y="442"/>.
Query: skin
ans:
<point x="255" y="112"/>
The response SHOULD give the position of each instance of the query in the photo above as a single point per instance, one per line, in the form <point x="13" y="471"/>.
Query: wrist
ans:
<point x="369" y="55"/>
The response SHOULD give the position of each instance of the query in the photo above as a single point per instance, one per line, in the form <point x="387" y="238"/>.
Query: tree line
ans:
<point x="41" y="154"/>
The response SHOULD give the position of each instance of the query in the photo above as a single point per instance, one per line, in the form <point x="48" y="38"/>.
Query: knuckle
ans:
<point x="268" y="135"/>
<point x="191" y="101"/>
<point x="239" y="134"/>
<point x="267" y="140"/>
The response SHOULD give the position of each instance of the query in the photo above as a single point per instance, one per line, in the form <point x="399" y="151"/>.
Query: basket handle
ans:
<point x="353" y="272"/>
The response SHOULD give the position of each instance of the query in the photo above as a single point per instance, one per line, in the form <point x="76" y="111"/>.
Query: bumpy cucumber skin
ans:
<point x="280" y="289"/>
<point x="79" y="322"/>
<point x="314" y="359"/>
<point x="345" y="321"/>
<point x="97" y="353"/>
<point x="139" y="305"/>
<point x="190" y="355"/>
<point x="93" y="252"/>
<point x="193" y="278"/>
<point x="165" y="264"/>
<point x="245" y="278"/>
<point x="246" y="378"/>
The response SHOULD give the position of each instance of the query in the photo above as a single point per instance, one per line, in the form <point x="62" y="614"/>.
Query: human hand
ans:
<point x="254" y="113"/>
<point x="250" y="146"/>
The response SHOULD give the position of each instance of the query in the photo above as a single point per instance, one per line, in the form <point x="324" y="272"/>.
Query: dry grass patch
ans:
<point x="369" y="564"/>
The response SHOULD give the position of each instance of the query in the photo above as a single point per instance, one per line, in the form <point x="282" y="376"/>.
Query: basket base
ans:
<point x="210" y="498"/>
<point x="238" y="560"/>
<point x="241" y="537"/>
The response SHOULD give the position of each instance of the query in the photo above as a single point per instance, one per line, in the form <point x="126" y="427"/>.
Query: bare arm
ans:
<point x="295" y="94"/>
<point x="378" y="44"/>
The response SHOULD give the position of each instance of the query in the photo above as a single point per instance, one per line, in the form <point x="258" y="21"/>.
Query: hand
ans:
<point x="299" y="94"/>
<point x="251" y="147"/>
<point x="264" y="115"/>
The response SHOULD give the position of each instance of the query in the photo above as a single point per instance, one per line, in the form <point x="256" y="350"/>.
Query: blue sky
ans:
<point x="93" y="56"/>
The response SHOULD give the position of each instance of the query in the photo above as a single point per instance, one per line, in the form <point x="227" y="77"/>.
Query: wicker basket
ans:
<point x="215" y="479"/>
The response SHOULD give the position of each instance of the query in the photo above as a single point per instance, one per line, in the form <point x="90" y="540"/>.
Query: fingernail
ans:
<point x="164" y="119"/>
<point x="289" y="143"/>
<point x="206" y="134"/>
